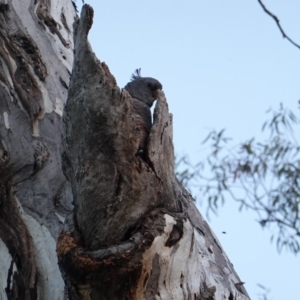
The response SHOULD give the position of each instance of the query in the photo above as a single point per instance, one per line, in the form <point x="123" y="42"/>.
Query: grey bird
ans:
<point x="143" y="91"/>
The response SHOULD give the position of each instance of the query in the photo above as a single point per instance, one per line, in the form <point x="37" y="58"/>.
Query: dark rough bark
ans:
<point x="113" y="188"/>
<point x="135" y="229"/>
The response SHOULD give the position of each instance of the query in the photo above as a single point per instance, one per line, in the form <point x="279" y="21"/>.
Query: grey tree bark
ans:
<point x="36" y="57"/>
<point x="134" y="232"/>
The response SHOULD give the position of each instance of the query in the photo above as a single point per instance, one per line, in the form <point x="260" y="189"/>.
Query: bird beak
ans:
<point x="156" y="93"/>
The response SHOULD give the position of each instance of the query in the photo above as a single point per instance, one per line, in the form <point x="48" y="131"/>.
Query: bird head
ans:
<point x="145" y="89"/>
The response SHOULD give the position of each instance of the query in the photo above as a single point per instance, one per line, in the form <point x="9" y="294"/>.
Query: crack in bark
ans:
<point x="176" y="234"/>
<point x="64" y="21"/>
<point x="15" y="234"/>
<point x="8" y="288"/>
<point x="43" y="13"/>
<point x="63" y="83"/>
<point x="24" y="83"/>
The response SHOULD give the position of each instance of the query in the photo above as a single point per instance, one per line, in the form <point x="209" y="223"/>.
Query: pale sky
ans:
<point x="222" y="64"/>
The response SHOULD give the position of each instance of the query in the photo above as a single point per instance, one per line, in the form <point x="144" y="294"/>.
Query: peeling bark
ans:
<point x="16" y="236"/>
<point x="34" y="194"/>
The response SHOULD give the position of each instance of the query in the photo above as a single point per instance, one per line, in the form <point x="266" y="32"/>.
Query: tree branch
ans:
<point x="275" y="18"/>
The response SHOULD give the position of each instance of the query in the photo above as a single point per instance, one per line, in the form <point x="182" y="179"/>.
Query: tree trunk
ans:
<point x="134" y="232"/>
<point x="36" y="57"/>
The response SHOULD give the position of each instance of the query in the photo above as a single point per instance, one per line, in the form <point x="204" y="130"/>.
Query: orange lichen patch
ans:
<point x="66" y="242"/>
<point x="89" y="264"/>
<point x="86" y="263"/>
<point x="127" y="255"/>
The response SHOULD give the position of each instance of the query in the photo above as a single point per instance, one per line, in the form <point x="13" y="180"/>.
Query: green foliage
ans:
<point x="263" y="295"/>
<point x="262" y="176"/>
<point x="183" y="171"/>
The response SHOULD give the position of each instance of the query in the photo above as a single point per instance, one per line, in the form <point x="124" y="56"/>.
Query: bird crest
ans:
<point x="136" y="74"/>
